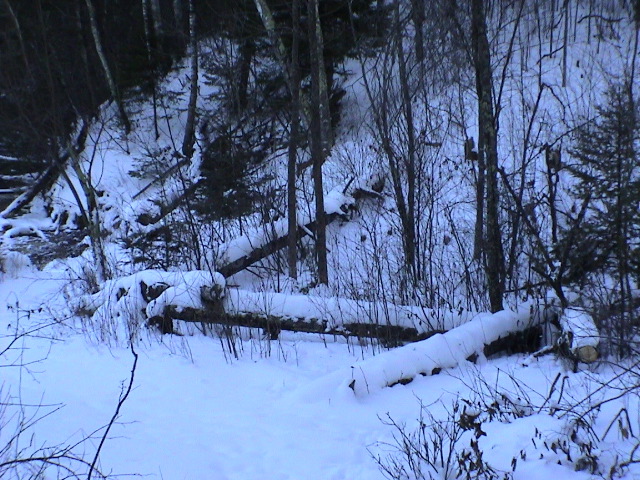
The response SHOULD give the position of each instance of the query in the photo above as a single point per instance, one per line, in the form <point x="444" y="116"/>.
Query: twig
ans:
<point x="123" y="398"/>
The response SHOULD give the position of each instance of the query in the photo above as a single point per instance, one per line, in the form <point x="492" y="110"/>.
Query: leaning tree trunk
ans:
<point x="488" y="148"/>
<point x="92" y="213"/>
<point x="105" y="66"/>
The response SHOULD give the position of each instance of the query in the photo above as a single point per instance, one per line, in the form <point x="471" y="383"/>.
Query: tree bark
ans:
<point x="488" y="149"/>
<point x="190" y="128"/>
<point x="409" y="223"/>
<point x="152" y="61"/>
<point x="566" y="42"/>
<point x="317" y="137"/>
<point x="317" y="51"/>
<point x="391" y="335"/>
<point x="478" y="239"/>
<point x="418" y="18"/>
<point x="292" y="209"/>
<point x="247" y="50"/>
<point x="264" y="11"/>
<point x="177" y="15"/>
<point x="92" y="214"/>
<point x="156" y="14"/>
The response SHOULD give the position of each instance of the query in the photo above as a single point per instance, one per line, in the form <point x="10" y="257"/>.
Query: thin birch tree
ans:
<point x="113" y="88"/>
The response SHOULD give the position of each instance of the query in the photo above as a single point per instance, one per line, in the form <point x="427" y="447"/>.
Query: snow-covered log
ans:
<point x="160" y="297"/>
<point x="47" y="178"/>
<point x="580" y="336"/>
<point x="394" y="324"/>
<point x="147" y="295"/>
<point x="339" y="314"/>
<point x="258" y="244"/>
<point x="165" y="209"/>
<point x="44" y="181"/>
<point x="481" y="336"/>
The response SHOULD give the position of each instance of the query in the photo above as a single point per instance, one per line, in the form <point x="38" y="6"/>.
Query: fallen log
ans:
<point x="250" y="248"/>
<point x="389" y="335"/>
<point x="162" y="177"/>
<point x="484" y="335"/>
<point x="159" y="298"/>
<point x="44" y="181"/>
<point x="392" y="324"/>
<point x="47" y="178"/>
<point x="146" y="219"/>
<point x="247" y="250"/>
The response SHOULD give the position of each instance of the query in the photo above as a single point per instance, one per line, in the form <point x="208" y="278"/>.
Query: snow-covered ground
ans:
<point x="288" y="409"/>
<point x="196" y="413"/>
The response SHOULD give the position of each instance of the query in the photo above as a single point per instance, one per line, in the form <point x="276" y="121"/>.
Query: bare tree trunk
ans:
<point x="190" y="129"/>
<point x="156" y="14"/>
<point x="264" y="11"/>
<point x="488" y="148"/>
<point x="566" y="41"/>
<point x="16" y="24"/>
<point x="178" y="23"/>
<point x="84" y="54"/>
<point x="409" y="222"/>
<point x="105" y="66"/>
<point x="292" y="254"/>
<point x="151" y="59"/>
<point x="634" y="58"/>
<point x="318" y="54"/>
<point x="418" y="17"/>
<point x="92" y="213"/>
<point x="552" y="23"/>
<point x="478" y="239"/>
<point x="317" y="140"/>
<point x="247" y="50"/>
<point x="177" y="13"/>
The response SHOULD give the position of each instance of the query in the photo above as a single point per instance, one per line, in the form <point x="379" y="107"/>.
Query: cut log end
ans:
<point x="586" y="354"/>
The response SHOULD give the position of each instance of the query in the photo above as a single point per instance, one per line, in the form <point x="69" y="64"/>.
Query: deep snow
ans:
<point x="195" y="413"/>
